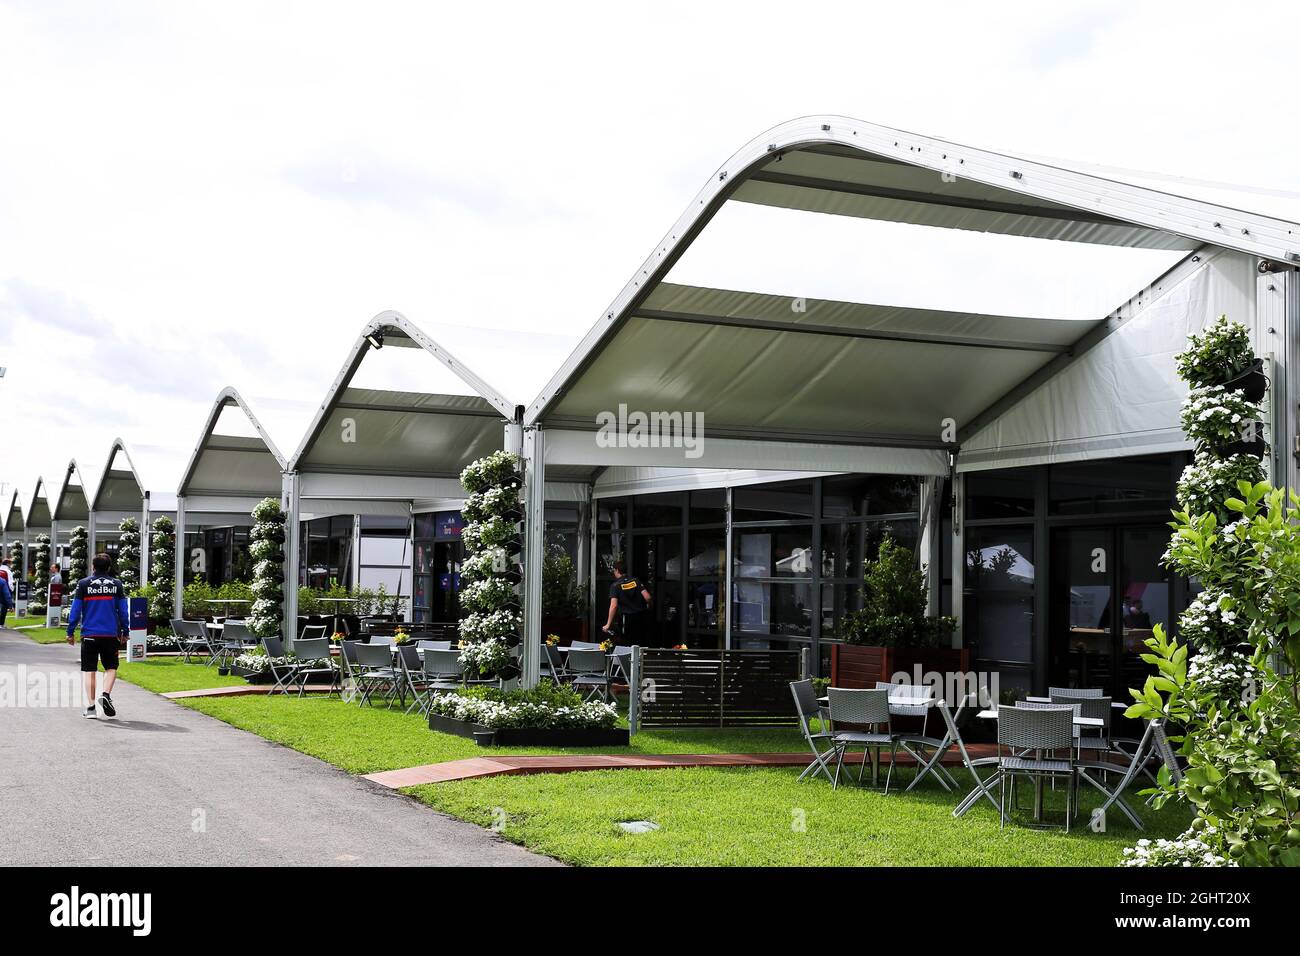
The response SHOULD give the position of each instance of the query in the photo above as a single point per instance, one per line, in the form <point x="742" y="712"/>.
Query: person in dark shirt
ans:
<point x="630" y="599"/>
<point x="100" y="607"/>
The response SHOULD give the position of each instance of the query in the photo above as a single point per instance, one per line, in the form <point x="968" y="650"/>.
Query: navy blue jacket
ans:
<point x="99" y="604"/>
<point x="6" y="596"/>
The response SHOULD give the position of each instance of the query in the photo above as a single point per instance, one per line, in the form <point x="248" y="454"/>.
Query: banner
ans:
<point x="137" y="643"/>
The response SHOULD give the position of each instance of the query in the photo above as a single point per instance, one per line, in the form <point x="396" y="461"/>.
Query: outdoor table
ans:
<point x="336" y="601"/>
<point x="1115" y="705"/>
<point x="1038" y="781"/>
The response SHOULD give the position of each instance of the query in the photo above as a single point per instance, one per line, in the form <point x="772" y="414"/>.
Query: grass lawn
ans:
<point x="749" y="816"/>
<point x="764" y="817"/>
<point x="163" y="674"/>
<point x="45" y="635"/>
<point x="14" y="621"/>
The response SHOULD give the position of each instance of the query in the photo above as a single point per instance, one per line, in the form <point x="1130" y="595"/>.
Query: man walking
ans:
<point x="99" y="605"/>
<point x="630" y="598"/>
<point x="7" y="590"/>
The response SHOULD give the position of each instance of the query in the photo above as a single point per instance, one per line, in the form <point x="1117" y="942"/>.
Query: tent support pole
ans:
<point x="291" y="501"/>
<point x="145" y="539"/>
<point x="178" y="585"/>
<point x="534" y="532"/>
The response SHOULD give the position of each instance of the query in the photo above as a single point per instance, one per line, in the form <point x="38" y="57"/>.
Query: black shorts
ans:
<point x="96" y="649"/>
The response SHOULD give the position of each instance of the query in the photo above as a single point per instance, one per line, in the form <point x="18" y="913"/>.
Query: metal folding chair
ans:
<point x="375" y="671"/>
<point x="869" y="707"/>
<point x="282" y="674"/>
<point x="317" y="649"/>
<point x="1127" y="772"/>
<point x="192" y="636"/>
<point x="808" y="710"/>
<point x="590" y="672"/>
<point x="1028" y="732"/>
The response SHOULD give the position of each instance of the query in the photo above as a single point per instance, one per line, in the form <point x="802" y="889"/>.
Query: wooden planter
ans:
<point x="856" y="665"/>
<point x="531" y="736"/>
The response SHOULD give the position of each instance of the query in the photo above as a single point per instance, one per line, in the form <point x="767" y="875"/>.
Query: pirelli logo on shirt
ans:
<point x="631" y="585"/>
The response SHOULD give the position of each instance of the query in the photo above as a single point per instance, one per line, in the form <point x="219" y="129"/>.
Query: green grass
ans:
<point x="743" y="816"/>
<point x="15" y="621"/>
<point x="752" y="817"/>
<point x="163" y="674"/>
<point x="45" y="635"/>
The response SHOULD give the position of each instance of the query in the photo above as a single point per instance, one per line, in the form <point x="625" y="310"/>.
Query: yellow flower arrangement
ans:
<point x="606" y="645"/>
<point x="552" y="639"/>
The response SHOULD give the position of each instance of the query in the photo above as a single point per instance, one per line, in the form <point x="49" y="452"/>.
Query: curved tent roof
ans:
<point x="227" y="468"/>
<point x="38" y="512"/>
<point x="379" y="449"/>
<point x="785" y="382"/>
<point x="14" y="520"/>
<point x="72" y="503"/>
<point x="120" y="488"/>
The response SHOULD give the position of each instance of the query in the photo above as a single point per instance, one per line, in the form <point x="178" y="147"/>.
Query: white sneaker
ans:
<point x="89" y="713"/>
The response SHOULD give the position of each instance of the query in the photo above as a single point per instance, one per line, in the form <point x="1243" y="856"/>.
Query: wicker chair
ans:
<point x="867" y="707"/>
<point x="1028" y="732"/>
<point x="1097" y="708"/>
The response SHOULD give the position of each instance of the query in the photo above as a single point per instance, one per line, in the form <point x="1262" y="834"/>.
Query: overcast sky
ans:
<point x="195" y="195"/>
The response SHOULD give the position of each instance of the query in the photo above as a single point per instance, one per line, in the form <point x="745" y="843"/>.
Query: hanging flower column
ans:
<point x="128" y="553"/>
<point x="41" y="576"/>
<point x="162" y="572"/>
<point x="267" y="549"/>
<point x="490" y="632"/>
<point x="78" y="546"/>
<point x="18" y="558"/>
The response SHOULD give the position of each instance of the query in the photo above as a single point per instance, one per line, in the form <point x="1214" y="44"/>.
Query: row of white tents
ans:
<point x="796" y="385"/>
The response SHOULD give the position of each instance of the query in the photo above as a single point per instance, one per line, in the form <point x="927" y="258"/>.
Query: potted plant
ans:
<point x="892" y="632"/>
<point x="1221" y="355"/>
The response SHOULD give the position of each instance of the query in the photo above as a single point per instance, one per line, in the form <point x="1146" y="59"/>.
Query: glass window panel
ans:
<point x="704" y="612"/>
<point x="1000" y="494"/>
<point x="392" y="551"/>
<point x="775" y="502"/>
<point x="392" y="525"/>
<point x="999" y="583"/>
<point x="846" y="546"/>
<point x="611" y="514"/>
<point x="658" y="511"/>
<point x="773" y="552"/>
<point x="708" y="552"/>
<point x="610" y="548"/>
<point x="391" y="578"/>
<point x="774" y="608"/>
<point x="847" y="496"/>
<point x="1112" y="486"/>
<point x="708" y="506"/>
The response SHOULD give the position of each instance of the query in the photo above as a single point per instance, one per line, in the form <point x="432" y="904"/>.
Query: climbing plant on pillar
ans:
<point x="18" y="558"/>
<point x="267" y="550"/>
<point x="1231" y="693"/>
<point x="41" y="576"/>
<point x="162" y="571"/>
<point x="490" y="632"/>
<point x="78" y="554"/>
<point x="128" y="552"/>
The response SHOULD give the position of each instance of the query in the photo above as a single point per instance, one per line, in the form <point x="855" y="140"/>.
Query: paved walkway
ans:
<point x="162" y="784"/>
<point x="507" y="765"/>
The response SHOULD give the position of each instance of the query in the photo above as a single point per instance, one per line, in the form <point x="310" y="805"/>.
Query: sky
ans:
<point x="195" y="195"/>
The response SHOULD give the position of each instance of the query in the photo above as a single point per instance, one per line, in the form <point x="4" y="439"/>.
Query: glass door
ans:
<point x="656" y="560"/>
<point x="1108" y="592"/>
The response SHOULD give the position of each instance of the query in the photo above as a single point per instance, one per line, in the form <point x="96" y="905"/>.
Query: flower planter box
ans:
<point x="530" y="736"/>
<point x="857" y="665"/>
<point x="253" y="677"/>
<point x="1258" y="448"/>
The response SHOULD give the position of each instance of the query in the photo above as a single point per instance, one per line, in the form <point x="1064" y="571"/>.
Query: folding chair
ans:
<point x="620" y="660"/>
<point x="192" y="636"/>
<point x="442" y="672"/>
<point x="411" y="674"/>
<point x="590" y="671"/>
<point x="807" y="709"/>
<point x="1097" y="707"/>
<point x="1115" y="796"/>
<point x="310" y="632"/>
<point x="868" y="707"/>
<point x="554" y="660"/>
<point x="386" y="639"/>
<point x="282" y="674"/>
<point x="433" y="645"/>
<point x="375" y="663"/>
<point x="317" y="649"/>
<point x="1036" y="730"/>
<point x="983" y="787"/>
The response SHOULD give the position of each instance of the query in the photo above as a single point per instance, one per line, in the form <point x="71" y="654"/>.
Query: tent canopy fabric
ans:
<point x="38" y="512"/>
<point x="373" y="433"/>
<point x="771" y="369"/>
<point x="231" y="466"/>
<point x="72" y="503"/>
<point x="14" y="522"/>
<point x="120" y="489"/>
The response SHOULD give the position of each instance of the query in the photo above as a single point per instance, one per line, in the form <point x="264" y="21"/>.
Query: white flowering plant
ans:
<point x="1211" y="621"/>
<point x="548" y="705"/>
<point x="1213" y="417"/>
<point x="1209" y="481"/>
<point x="267" y="547"/>
<point x="499" y="469"/>
<point x="482" y="505"/>
<point x="487" y="594"/>
<point x="1198" y="846"/>
<point x="1216" y="354"/>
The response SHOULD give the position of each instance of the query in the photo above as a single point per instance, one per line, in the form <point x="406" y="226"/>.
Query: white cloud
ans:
<point x="206" y="194"/>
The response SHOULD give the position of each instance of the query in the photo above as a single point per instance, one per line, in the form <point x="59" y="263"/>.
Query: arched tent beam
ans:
<point x="14" y="516"/>
<point x="412" y="445"/>
<point x="964" y="188"/>
<point x="392" y="328"/>
<point x="38" y="511"/>
<point x="111" y="478"/>
<point x="72" y="505"/>
<point x="226" y="475"/>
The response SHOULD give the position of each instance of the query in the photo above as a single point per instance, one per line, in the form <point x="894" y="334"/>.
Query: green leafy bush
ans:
<point x="894" y="602"/>
<point x="1215" y="355"/>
